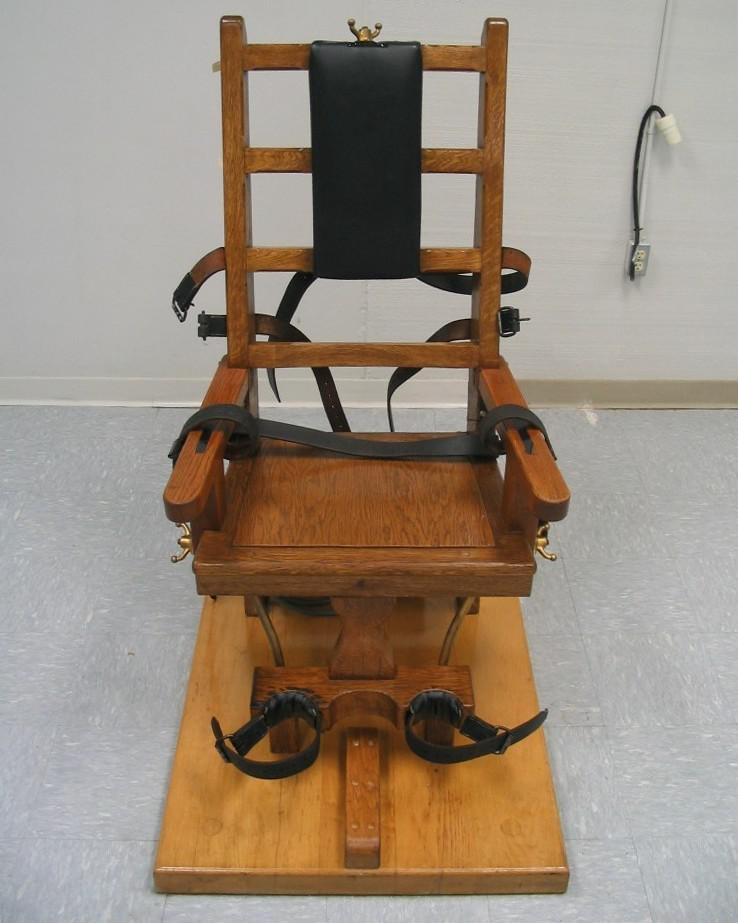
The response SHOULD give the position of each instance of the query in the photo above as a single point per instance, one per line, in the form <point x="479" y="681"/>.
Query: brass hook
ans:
<point x="364" y="34"/>
<point x="542" y="542"/>
<point x="184" y="542"/>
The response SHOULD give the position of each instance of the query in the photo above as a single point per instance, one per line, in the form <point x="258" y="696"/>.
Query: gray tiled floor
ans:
<point x="634" y="638"/>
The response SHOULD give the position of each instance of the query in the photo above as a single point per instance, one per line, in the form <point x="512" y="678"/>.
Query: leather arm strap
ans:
<point x="282" y="706"/>
<point x="247" y="429"/>
<point x="489" y="739"/>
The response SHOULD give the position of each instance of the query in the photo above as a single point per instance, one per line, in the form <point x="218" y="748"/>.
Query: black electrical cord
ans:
<point x="636" y="194"/>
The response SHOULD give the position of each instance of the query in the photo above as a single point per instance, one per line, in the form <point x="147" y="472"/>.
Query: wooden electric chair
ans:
<point x="357" y="554"/>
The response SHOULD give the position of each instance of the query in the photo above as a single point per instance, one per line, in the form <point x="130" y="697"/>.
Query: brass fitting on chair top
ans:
<point x="184" y="542"/>
<point x="542" y="542"/>
<point x="364" y="34"/>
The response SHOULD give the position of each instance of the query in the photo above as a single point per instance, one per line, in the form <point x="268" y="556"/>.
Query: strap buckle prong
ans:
<point x="507" y="739"/>
<point x="220" y="746"/>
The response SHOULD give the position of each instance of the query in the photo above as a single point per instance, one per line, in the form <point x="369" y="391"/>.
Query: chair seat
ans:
<point x="304" y="521"/>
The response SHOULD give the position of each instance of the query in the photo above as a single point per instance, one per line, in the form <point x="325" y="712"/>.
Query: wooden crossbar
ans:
<point x="358" y="355"/>
<point x="299" y="160"/>
<point x="297" y="57"/>
<point x="300" y="259"/>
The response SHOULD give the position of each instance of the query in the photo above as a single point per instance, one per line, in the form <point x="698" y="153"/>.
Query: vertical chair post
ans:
<point x="488" y="208"/>
<point x="488" y="215"/>
<point x="236" y="190"/>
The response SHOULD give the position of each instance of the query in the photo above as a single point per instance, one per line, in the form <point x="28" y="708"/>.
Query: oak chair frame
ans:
<point x="362" y="581"/>
<point x="533" y="490"/>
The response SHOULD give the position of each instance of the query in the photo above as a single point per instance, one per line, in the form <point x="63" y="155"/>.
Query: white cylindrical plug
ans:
<point x="669" y="129"/>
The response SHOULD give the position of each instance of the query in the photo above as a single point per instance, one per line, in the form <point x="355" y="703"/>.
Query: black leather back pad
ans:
<point x="365" y="107"/>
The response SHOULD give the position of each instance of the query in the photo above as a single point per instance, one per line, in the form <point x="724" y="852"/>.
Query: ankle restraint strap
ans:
<point x="282" y="706"/>
<point x="439" y="705"/>
<point x="246" y="430"/>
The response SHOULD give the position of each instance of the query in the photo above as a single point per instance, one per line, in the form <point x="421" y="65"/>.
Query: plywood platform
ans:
<point x="489" y="826"/>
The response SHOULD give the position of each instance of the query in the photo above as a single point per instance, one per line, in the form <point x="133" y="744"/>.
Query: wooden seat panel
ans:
<point x="298" y="496"/>
<point x="302" y="521"/>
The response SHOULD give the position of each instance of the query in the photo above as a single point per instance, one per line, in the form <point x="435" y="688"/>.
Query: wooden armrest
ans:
<point x="538" y="485"/>
<point x="198" y="474"/>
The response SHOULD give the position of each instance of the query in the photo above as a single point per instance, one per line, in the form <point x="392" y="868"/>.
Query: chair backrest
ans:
<point x="240" y="160"/>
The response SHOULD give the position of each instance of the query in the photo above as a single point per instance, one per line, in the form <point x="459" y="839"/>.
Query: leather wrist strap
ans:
<point x="489" y="739"/>
<point x="282" y="706"/>
<point x="246" y="430"/>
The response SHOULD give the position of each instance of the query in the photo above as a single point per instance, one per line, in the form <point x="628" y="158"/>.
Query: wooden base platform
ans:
<point x="488" y="826"/>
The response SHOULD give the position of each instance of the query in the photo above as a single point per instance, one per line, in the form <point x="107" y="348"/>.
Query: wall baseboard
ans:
<point x="369" y="392"/>
<point x="631" y="394"/>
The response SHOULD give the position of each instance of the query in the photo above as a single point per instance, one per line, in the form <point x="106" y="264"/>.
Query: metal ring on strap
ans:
<point x="443" y="706"/>
<point x="282" y="706"/>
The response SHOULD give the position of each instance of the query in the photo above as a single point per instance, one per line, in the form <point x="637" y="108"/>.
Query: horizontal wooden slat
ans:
<point x="453" y="58"/>
<point x="297" y="57"/>
<point x="277" y="159"/>
<point x="450" y="259"/>
<point x="299" y="160"/>
<point x="452" y="160"/>
<point x="222" y="569"/>
<point x="381" y="355"/>
<point x="300" y="259"/>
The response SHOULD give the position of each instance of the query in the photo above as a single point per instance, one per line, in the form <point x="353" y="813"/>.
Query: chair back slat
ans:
<point x="299" y="160"/>
<point x="297" y="57"/>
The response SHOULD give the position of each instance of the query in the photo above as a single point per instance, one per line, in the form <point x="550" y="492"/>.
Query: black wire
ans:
<point x="636" y="195"/>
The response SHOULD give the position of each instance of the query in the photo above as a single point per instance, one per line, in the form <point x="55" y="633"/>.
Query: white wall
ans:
<point x="111" y="188"/>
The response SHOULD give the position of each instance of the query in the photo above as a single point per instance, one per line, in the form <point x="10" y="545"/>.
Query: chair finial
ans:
<point x="364" y="34"/>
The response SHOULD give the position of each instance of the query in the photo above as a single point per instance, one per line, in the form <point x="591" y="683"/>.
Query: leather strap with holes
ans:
<point x="489" y="739"/>
<point x="246" y="429"/>
<point x="282" y="706"/>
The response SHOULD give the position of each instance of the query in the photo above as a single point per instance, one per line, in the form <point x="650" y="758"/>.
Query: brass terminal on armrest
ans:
<point x="184" y="542"/>
<point x="542" y="542"/>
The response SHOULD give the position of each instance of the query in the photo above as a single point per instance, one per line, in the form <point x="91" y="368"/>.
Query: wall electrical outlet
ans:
<point x="640" y="259"/>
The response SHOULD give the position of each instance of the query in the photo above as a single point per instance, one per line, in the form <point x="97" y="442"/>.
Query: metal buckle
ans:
<point x="181" y="312"/>
<point x="509" y="321"/>
<point x="220" y="747"/>
<point x="211" y="325"/>
<point x="506" y="741"/>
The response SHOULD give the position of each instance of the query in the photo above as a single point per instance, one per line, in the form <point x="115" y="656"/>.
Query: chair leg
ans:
<point x="363" y="649"/>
